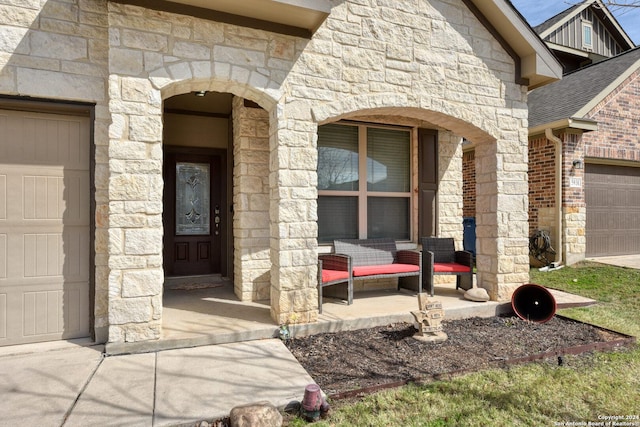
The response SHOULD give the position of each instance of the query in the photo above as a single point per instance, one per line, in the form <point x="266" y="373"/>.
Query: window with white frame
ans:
<point x="587" y="35"/>
<point x="364" y="182"/>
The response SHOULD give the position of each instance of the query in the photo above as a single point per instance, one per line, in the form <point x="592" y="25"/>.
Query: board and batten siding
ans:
<point x="570" y="34"/>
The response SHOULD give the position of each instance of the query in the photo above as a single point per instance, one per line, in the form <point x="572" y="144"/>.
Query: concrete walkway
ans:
<point x="80" y="387"/>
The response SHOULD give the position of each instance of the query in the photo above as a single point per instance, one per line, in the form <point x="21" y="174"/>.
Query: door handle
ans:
<point x="216" y="220"/>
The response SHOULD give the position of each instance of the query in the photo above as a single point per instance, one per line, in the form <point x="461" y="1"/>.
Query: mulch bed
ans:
<point x="354" y="360"/>
<point x="352" y="363"/>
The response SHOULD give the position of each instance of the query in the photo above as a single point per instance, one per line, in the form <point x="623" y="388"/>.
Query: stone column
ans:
<point x="501" y="215"/>
<point x="293" y="216"/>
<point x="450" y="187"/>
<point x="252" y="264"/>
<point x="574" y="208"/>
<point x="135" y="211"/>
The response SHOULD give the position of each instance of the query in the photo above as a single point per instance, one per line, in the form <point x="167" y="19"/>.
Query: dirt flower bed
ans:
<point x="344" y="361"/>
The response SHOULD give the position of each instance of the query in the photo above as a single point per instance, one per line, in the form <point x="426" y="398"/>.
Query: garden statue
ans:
<point x="428" y="320"/>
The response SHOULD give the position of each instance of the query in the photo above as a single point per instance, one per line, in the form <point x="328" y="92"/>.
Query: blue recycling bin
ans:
<point x="469" y="235"/>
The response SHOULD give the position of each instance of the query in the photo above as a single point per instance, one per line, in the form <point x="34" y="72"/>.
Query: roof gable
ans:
<point x="565" y="28"/>
<point x="555" y="21"/>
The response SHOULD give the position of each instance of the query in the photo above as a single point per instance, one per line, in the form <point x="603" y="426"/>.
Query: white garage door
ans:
<point x="612" y="195"/>
<point x="44" y="227"/>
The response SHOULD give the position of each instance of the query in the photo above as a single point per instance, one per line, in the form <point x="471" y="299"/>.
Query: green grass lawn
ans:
<point x="585" y="389"/>
<point x="616" y="289"/>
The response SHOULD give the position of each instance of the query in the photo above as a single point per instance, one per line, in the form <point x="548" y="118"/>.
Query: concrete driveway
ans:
<point x="629" y="261"/>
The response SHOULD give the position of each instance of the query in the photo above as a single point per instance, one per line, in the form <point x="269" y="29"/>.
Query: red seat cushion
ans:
<point x="452" y="267"/>
<point x="371" y="270"/>
<point x="331" y="275"/>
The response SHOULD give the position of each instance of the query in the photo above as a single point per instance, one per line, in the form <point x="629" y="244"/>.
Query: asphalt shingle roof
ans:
<point x="564" y="98"/>
<point x="555" y="19"/>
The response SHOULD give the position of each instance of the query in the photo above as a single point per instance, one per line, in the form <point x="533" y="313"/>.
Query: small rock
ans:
<point x="262" y="414"/>
<point x="477" y="294"/>
<point x="292" y="407"/>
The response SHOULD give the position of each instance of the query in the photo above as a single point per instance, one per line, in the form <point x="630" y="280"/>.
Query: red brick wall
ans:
<point x="469" y="184"/>
<point x="618" y="117"/>
<point x="541" y="178"/>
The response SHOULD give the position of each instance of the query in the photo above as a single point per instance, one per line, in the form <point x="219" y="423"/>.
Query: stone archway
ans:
<point x="136" y="186"/>
<point x="501" y="168"/>
<point x="248" y="154"/>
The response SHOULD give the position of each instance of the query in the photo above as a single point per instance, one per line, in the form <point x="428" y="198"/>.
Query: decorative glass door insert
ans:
<point x="193" y="199"/>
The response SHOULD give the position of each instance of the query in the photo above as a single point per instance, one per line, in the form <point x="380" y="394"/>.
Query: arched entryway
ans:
<point x="196" y="206"/>
<point x="216" y="256"/>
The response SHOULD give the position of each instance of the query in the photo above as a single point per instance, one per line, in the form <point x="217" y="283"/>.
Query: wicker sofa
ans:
<point x="368" y="259"/>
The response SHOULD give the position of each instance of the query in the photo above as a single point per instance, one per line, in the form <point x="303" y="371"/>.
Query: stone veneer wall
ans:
<point x="431" y="61"/>
<point x="450" y="198"/>
<point x="252" y="265"/>
<point x="155" y="55"/>
<point x="450" y="187"/>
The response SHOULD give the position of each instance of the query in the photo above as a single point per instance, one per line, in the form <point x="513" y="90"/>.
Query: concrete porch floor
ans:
<point x="197" y="317"/>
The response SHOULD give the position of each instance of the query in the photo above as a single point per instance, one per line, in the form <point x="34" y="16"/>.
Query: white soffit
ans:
<point x="308" y="14"/>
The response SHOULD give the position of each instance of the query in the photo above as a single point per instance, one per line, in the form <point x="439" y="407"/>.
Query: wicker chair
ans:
<point x="440" y="257"/>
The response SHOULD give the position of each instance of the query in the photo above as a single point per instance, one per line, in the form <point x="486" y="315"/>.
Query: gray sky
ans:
<point x="538" y="11"/>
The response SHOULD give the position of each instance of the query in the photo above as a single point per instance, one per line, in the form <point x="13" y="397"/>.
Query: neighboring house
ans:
<point x="584" y="34"/>
<point x="147" y="139"/>
<point x="594" y="111"/>
<point x="584" y="143"/>
<point x="595" y="114"/>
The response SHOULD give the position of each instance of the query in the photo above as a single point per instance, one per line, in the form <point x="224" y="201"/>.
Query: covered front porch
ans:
<point x="195" y="316"/>
<point x="388" y="122"/>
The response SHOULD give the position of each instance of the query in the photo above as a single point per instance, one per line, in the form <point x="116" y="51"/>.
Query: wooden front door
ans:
<point x="193" y="213"/>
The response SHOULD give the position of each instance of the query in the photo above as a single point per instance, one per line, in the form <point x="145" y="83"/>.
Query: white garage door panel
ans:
<point x="46" y="312"/>
<point x="3" y="196"/>
<point x="3" y="256"/>
<point x="43" y="139"/>
<point x="44" y="227"/>
<point x="3" y="317"/>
